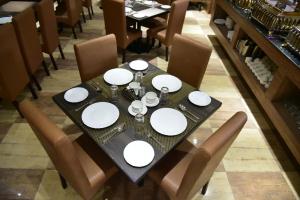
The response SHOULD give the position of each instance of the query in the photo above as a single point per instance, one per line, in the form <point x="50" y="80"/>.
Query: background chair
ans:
<point x="115" y="23"/>
<point x="89" y="5"/>
<point x="13" y="75"/>
<point x="71" y="15"/>
<point x="183" y="173"/>
<point x="28" y="39"/>
<point x="73" y="160"/>
<point x="48" y="27"/>
<point x="164" y="33"/>
<point x="188" y="60"/>
<point x="96" y="56"/>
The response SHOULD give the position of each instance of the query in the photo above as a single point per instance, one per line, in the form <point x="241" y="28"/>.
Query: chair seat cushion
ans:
<point x="132" y="34"/>
<point x="155" y="25"/>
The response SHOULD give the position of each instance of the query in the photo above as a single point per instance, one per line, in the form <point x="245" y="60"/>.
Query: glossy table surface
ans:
<point x="115" y="146"/>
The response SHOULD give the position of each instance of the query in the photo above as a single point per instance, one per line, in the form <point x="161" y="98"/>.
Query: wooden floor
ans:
<point x="257" y="166"/>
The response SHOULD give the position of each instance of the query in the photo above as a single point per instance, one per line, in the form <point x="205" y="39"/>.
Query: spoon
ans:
<point x="183" y="108"/>
<point x="158" y="142"/>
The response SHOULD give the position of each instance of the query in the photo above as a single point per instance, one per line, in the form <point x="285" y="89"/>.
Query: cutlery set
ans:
<point x="188" y="113"/>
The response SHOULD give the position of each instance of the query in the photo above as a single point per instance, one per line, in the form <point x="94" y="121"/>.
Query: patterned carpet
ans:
<point x="257" y="166"/>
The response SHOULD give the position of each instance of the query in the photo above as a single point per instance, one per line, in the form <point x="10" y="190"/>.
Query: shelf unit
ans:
<point x="286" y="80"/>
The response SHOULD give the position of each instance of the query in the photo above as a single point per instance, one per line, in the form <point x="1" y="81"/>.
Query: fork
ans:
<point x="156" y="140"/>
<point x="183" y="108"/>
<point x="84" y="105"/>
<point x="118" y="129"/>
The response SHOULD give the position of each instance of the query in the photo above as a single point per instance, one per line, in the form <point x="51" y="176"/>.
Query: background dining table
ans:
<point x="115" y="145"/>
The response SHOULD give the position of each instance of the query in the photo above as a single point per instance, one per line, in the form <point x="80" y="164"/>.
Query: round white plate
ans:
<point x="165" y="6"/>
<point x="167" y="80"/>
<point x="76" y="94"/>
<point x="138" y="65"/>
<point x="138" y="153"/>
<point x="127" y="10"/>
<point x="118" y="76"/>
<point x="220" y="21"/>
<point x="155" y="103"/>
<point x="148" y="2"/>
<point x="144" y="111"/>
<point x="168" y="121"/>
<point x="100" y="115"/>
<point x="199" y="98"/>
<point x="139" y="15"/>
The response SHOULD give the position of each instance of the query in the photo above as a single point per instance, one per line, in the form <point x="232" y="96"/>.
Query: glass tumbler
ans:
<point x="139" y="77"/>
<point x="114" y="92"/>
<point x="139" y="123"/>
<point x="164" y="95"/>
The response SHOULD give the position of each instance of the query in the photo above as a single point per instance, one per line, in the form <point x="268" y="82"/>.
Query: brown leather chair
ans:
<point x="28" y="39"/>
<point x="96" y="56"/>
<point x="48" y="28"/>
<point x="81" y="162"/>
<point x="115" y="23"/>
<point x="188" y="60"/>
<point x="89" y="5"/>
<point x="71" y="15"/>
<point x="182" y="173"/>
<point x="175" y="22"/>
<point x="13" y="74"/>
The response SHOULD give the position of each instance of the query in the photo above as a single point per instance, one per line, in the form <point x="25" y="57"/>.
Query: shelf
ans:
<point x="286" y="76"/>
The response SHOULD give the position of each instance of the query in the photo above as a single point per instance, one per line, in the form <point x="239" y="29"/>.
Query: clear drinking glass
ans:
<point x="114" y="92"/>
<point x="142" y="91"/>
<point x="139" y="123"/>
<point x="139" y="77"/>
<point x="164" y="95"/>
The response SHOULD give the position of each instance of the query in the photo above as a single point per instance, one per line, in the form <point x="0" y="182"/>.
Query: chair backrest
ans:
<point x="176" y="19"/>
<point x="188" y="60"/>
<point x="58" y="146"/>
<point x="28" y="38"/>
<point x="207" y="157"/>
<point x="96" y="56"/>
<point x="13" y="75"/>
<point x="74" y="8"/>
<point x="48" y="26"/>
<point x="115" y="20"/>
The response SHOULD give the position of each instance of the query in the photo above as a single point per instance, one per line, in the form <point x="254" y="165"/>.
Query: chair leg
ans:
<point x="152" y="42"/>
<point x="34" y="95"/>
<point x="204" y="188"/>
<point x="80" y="27"/>
<point x="46" y="68"/>
<point x="53" y="61"/>
<point x="159" y="44"/>
<point x="37" y="84"/>
<point x="16" y="104"/>
<point x="167" y="53"/>
<point x="83" y="16"/>
<point x="92" y="10"/>
<point x="74" y="33"/>
<point x="63" y="181"/>
<point x="90" y="15"/>
<point x="61" y="52"/>
<point x="123" y="55"/>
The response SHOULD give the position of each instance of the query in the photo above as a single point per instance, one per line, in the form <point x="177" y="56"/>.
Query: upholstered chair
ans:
<point x="188" y="60"/>
<point x="71" y="15"/>
<point x="96" y="56"/>
<point x="89" y="6"/>
<point x="115" y="23"/>
<point x="182" y="173"/>
<point x="28" y="39"/>
<point x="165" y="33"/>
<point x="13" y="75"/>
<point x="48" y="28"/>
<point x="81" y="162"/>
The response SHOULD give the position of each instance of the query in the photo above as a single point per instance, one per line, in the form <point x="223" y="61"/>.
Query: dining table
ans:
<point x="113" y="142"/>
<point x="12" y="8"/>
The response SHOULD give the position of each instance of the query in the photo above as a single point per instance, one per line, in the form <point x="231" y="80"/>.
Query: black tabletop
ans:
<point x="115" y="146"/>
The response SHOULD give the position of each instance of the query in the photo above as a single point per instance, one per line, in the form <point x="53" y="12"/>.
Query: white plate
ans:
<point x="118" y="76"/>
<point x="139" y="15"/>
<point x="127" y="10"/>
<point x="138" y="65"/>
<point x="100" y="115"/>
<point x="220" y="21"/>
<point x="155" y="103"/>
<point x="199" y="98"/>
<point x="165" y="6"/>
<point x="138" y="153"/>
<point x="148" y="2"/>
<point x="144" y="111"/>
<point x="166" y="80"/>
<point x="168" y="121"/>
<point x="76" y="94"/>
